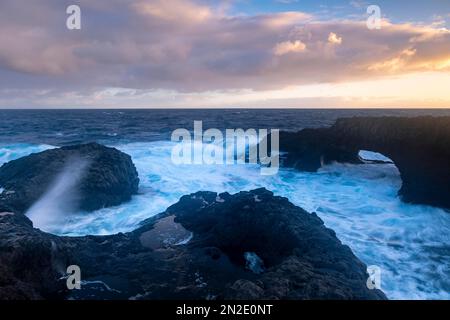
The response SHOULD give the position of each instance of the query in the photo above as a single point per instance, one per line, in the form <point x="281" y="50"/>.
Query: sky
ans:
<point x="225" y="54"/>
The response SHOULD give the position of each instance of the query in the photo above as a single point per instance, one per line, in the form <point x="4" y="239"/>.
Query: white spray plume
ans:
<point x="60" y="200"/>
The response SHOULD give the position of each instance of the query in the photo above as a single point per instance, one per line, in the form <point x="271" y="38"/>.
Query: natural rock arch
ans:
<point x="419" y="147"/>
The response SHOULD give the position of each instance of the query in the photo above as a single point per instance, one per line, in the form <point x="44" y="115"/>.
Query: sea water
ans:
<point x="410" y="243"/>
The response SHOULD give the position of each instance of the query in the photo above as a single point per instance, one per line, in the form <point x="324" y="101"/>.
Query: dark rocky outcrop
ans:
<point x="198" y="249"/>
<point x="107" y="177"/>
<point x="419" y="147"/>
<point x="30" y="264"/>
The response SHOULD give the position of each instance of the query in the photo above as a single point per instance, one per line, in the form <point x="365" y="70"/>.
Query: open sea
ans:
<point x="410" y="243"/>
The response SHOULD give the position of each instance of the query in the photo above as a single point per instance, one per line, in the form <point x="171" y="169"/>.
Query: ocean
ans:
<point x="410" y="243"/>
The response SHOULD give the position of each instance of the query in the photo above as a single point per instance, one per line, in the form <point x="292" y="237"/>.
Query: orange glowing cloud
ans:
<point x="171" y="50"/>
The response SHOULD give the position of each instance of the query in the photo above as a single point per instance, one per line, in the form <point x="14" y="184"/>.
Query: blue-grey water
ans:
<point x="411" y="243"/>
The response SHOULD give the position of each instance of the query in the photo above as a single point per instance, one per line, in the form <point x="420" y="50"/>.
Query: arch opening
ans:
<point x="368" y="156"/>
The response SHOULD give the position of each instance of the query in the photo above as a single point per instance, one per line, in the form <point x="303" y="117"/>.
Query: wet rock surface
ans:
<point x="107" y="177"/>
<point x="198" y="249"/>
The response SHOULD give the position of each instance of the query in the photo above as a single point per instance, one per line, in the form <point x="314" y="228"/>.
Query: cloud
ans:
<point x="190" y="47"/>
<point x="287" y="1"/>
<point x="286" y="47"/>
<point x="394" y="64"/>
<point x="334" y="39"/>
<point x="173" y="11"/>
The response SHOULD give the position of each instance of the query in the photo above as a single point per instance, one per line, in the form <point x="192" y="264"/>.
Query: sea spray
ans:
<point x="60" y="199"/>
<point x="211" y="147"/>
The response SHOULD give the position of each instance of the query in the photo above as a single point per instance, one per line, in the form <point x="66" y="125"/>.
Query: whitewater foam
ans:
<point x="18" y="150"/>
<point x="410" y="243"/>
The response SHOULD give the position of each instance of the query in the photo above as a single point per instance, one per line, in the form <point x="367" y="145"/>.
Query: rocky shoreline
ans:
<point x="250" y="245"/>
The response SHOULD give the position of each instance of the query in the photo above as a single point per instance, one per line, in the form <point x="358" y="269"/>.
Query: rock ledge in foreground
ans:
<point x="251" y="245"/>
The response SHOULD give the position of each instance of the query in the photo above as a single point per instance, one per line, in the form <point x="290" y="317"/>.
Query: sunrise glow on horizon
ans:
<point x="224" y="54"/>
